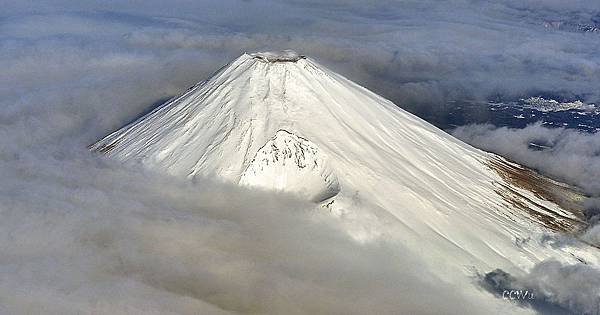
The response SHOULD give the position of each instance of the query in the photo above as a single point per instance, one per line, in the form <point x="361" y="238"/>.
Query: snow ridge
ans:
<point x="291" y="163"/>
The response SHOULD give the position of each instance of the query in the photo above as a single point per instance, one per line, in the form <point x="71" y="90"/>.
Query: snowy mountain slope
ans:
<point x="282" y="121"/>
<point x="288" y="162"/>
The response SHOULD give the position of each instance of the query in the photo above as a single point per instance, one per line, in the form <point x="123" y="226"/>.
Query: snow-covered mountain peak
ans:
<point x="282" y="121"/>
<point x="278" y="56"/>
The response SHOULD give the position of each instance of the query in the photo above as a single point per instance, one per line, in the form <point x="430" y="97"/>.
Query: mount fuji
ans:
<point x="280" y="121"/>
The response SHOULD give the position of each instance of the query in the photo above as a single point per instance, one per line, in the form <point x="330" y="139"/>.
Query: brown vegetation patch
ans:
<point x="544" y="188"/>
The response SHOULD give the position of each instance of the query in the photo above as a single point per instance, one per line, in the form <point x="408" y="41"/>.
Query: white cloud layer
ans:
<point x="573" y="156"/>
<point x="79" y="234"/>
<point x="418" y="53"/>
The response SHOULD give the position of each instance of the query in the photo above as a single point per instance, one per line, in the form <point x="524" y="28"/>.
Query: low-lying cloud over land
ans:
<point x="570" y="156"/>
<point x="82" y="234"/>
<point x="552" y="287"/>
<point x="78" y="233"/>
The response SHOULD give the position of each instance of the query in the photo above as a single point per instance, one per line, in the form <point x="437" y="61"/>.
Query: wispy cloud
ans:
<point x="82" y="234"/>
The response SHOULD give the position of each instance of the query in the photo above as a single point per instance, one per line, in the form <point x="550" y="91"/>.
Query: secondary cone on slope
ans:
<point x="282" y="121"/>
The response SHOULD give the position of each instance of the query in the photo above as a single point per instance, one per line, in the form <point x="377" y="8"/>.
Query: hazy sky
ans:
<point x="79" y="233"/>
<point x="414" y="52"/>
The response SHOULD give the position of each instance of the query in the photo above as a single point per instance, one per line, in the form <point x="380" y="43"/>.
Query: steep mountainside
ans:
<point x="282" y="121"/>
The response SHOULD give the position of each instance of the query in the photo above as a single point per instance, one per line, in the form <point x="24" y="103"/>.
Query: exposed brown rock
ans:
<point x="566" y="197"/>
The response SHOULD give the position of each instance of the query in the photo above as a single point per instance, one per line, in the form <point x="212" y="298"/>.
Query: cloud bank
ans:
<point x="572" y="156"/>
<point x="420" y="54"/>
<point x="79" y="234"/>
